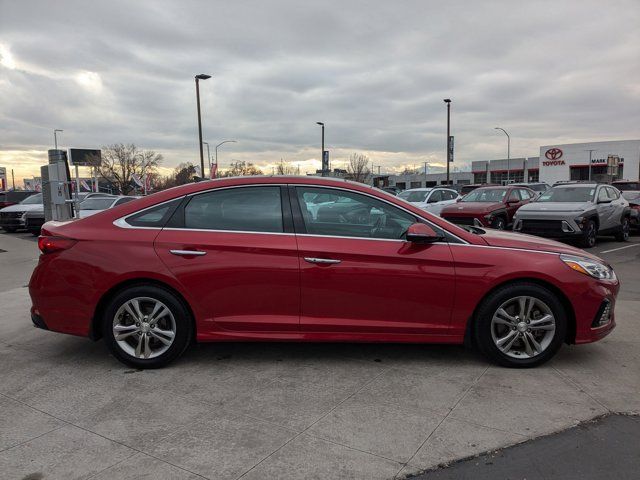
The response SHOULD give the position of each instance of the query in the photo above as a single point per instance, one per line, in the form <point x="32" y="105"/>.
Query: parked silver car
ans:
<point x="579" y="211"/>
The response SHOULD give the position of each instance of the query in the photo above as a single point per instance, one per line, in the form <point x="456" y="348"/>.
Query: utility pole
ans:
<point x="590" y="155"/>
<point x="324" y="168"/>
<point x="448" y="102"/>
<point x="199" y="77"/>
<point x="55" y="136"/>
<point x="13" y="179"/>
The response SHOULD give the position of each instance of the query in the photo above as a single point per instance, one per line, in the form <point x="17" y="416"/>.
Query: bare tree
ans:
<point x="120" y="162"/>
<point x="242" y="168"/>
<point x="358" y="169"/>
<point x="285" y="168"/>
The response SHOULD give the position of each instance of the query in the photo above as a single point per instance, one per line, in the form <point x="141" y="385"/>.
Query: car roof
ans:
<point x="420" y="189"/>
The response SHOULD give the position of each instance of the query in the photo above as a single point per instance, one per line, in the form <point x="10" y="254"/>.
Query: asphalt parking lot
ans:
<point x="229" y="411"/>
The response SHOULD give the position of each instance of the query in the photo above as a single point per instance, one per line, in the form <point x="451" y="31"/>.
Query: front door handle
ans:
<point x="188" y="253"/>
<point x="324" y="261"/>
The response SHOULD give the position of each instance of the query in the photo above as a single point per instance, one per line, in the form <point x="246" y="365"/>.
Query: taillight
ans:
<point x="49" y="244"/>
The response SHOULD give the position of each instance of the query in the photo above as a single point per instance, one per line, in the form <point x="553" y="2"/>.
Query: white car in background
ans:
<point x="433" y="200"/>
<point x="94" y="205"/>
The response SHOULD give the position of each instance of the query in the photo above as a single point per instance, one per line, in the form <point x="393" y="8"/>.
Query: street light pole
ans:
<point x="508" y="153"/>
<point x="448" y="102"/>
<point x="208" y="157"/>
<point x="324" y="171"/>
<point x="199" y="77"/>
<point x="55" y="136"/>
<point x="216" y="149"/>
<point x="590" y="154"/>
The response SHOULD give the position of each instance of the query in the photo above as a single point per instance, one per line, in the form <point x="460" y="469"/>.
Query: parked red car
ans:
<point x="310" y="259"/>
<point x="488" y="206"/>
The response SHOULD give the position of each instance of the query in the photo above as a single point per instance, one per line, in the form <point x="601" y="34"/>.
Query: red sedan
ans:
<point x="310" y="259"/>
<point x="488" y="206"/>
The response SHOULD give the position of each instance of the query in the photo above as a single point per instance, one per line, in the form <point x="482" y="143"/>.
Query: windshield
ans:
<point x="623" y="187"/>
<point x="485" y="195"/>
<point x="568" y="194"/>
<point x="414" y="196"/>
<point x="32" y="200"/>
<point x="96" y="204"/>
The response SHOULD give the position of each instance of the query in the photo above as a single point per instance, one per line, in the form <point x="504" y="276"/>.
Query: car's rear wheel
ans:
<point x="623" y="234"/>
<point x="146" y="326"/>
<point x="520" y="325"/>
<point x="590" y="234"/>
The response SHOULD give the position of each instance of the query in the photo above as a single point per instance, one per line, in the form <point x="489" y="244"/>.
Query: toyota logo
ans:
<point x="553" y="153"/>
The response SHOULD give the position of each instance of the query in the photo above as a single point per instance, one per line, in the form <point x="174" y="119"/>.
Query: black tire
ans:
<point x="9" y="229"/>
<point x="183" y="326"/>
<point x="482" y="324"/>
<point x="499" y="223"/>
<point x="589" y="236"/>
<point x="623" y="234"/>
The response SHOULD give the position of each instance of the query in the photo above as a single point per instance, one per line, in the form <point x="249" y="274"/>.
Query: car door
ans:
<point x="605" y="209"/>
<point x="358" y="274"/>
<point x="619" y="205"/>
<point x="234" y="250"/>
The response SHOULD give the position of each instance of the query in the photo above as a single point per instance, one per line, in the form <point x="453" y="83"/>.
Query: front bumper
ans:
<point x="476" y="221"/>
<point x="12" y="220"/>
<point x="588" y="308"/>
<point x="548" y="227"/>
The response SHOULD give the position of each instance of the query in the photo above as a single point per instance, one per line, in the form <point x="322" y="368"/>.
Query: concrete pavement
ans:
<point x="230" y="411"/>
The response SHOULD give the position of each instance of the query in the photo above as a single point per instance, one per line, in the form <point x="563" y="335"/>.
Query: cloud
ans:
<point x="375" y="73"/>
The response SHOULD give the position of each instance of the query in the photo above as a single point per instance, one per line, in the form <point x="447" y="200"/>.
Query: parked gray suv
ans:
<point x="578" y="211"/>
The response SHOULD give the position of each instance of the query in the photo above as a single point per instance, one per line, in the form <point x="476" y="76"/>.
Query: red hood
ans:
<point x="498" y="238"/>
<point x="475" y="208"/>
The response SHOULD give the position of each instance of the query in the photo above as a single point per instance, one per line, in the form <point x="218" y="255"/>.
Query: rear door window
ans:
<point x="248" y="209"/>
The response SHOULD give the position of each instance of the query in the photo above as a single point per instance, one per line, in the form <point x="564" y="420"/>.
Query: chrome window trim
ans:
<point x="121" y="222"/>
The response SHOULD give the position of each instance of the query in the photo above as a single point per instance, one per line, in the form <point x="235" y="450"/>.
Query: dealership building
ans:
<point x="599" y="161"/>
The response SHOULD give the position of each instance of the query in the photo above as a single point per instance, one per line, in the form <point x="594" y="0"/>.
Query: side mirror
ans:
<point x="421" y="233"/>
<point x="459" y="199"/>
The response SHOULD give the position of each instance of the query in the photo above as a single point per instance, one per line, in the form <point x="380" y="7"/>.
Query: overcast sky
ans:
<point x="374" y="72"/>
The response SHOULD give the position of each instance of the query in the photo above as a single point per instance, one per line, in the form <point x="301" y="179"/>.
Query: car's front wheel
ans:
<point x="146" y="326"/>
<point x="520" y="325"/>
<point x="589" y="235"/>
<point x="499" y="223"/>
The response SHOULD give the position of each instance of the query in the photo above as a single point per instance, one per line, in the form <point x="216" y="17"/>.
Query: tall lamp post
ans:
<point x="508" y="153"/>
<point x="448" y="102"/>
<point x="324" y="170"/>
<point x="208" y="156"/>
<point x="55" y="136"/>
<point x="202" y="76"/>
<point x="221" y="143"/>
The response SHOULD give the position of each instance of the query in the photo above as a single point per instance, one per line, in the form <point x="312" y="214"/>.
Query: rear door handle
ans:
<point x="187" y="253"/>
<point x="324" y="261"/>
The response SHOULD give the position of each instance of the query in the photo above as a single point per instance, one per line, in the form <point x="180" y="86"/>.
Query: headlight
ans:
<point x="589" y="267"/>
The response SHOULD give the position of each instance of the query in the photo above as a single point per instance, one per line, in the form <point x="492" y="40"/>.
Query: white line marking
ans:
<point x="621" y="248"/>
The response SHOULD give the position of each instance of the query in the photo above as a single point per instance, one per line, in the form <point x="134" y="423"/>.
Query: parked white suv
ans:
<point x="433" y="200"/>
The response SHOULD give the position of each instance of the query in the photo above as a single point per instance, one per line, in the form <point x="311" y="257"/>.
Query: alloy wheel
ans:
<point x="144" y="327"/>
<point x="523" y="327"/>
